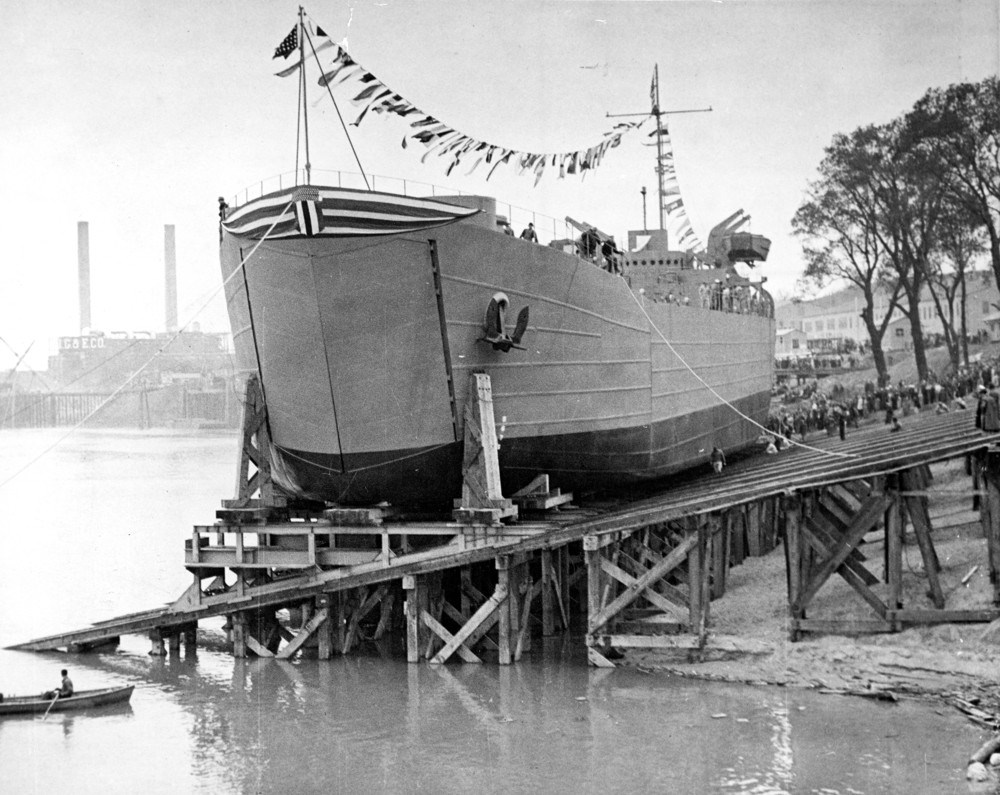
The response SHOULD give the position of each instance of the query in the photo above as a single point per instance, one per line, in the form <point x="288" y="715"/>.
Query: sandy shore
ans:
<point x="955" y="663"/>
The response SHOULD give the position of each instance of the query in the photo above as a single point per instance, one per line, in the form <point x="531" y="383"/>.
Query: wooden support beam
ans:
<point x="852" y="626"/>
<point x="548" y="615"/>
<point x="385" y="615"/>
<point x="434" y="607"/>
<point x="991" y="525"/>
<point x="592" y="564"/>
<point x="917" y="509"/>
<point x="823" y="537"/>
<point x="664" y="588"/>
<point x="707" y="539"/>
<point x="482" y="499"/>
<point x="240" y="633"/>
<point x="412" y="618"/>
<point x="599" y="618"/>
<point x="947" y="616"/>
<point x="720" y="528"/>
<point x="740" y="532"/>
<point x="465" y="591"/>
<point x="257" y="648"/>
<point x="894" y="556"/>
<point x="866" y="518"/>
<point x="598" y="660"/>
<point x="314" y="623"/>
<point x="793" y="553"/>
<point x="697" y="549"/>
<point x="367" y="603"/>
<point x="850" y="573"/>
<point x="503" y="583"/>
<point x="531" y="590"/>
<point x="447" y="638"/>
<point x="325" y="630"/>
<point x="650" y="593"/>
<point x="477" y="635"/>
<point x="562" y="597"/>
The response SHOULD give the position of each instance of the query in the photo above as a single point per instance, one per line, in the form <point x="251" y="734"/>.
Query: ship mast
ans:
<point x="654" y="96"/>
<point x="656" y="113"/>
<point x="302" y="91"/>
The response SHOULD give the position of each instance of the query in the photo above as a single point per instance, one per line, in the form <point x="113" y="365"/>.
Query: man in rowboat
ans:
<point x="65" y="689"/>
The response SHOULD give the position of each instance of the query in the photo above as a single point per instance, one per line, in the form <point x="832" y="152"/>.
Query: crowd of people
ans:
<point x="739" y="298"/>
<point x="808" y="409"/>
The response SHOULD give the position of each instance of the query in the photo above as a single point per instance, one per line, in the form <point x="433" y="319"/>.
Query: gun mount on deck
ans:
<point x="727" y="245"/>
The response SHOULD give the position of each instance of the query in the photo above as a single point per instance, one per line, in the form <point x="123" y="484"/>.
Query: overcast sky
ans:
<point x="132" y="115"/>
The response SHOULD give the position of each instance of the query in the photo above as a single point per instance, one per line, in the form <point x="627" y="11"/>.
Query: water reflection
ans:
<point x="363" y="723"/>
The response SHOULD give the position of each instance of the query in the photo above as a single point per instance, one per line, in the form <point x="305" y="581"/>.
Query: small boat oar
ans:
<point x="49" y="707"/>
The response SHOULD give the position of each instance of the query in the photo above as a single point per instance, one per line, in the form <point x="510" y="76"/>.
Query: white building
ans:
<point x="837" y="317"/>
<point x="790" y="343"/>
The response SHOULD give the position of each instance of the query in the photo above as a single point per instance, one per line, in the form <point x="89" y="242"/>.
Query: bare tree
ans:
<point x="959" y="129"/>
<point x="838" y="226"/>
<point x="959" y="242"/>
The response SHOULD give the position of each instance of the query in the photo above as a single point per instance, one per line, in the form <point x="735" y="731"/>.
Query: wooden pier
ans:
<point x="291" y="576"/>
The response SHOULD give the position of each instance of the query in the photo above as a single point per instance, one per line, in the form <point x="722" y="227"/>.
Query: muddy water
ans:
<point x="95" y="529"/>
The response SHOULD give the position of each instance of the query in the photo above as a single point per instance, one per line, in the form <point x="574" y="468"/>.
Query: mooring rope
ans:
<point x="721" y="399"/>
<point x="149" y="361"/>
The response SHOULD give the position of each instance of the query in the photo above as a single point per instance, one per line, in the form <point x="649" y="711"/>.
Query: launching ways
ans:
<point x="643" y="573"/>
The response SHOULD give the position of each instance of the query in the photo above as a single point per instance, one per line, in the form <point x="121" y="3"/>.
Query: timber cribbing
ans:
<point x="867" y="452"/>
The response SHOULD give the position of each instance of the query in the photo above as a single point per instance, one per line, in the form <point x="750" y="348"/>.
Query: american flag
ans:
<point x="287" y="47"/>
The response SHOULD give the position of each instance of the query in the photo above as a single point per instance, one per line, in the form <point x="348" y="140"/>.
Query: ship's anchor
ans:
<point x="495" y="332"/>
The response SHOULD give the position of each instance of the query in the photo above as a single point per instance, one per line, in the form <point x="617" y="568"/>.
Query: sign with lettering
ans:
<point x="80" y="343"/>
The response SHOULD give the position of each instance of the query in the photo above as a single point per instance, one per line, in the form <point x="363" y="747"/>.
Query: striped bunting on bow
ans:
<point x="339" y="212"/>
<point x="307" y="217"/>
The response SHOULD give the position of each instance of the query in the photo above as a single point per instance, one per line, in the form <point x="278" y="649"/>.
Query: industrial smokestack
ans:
<point x="83" y="273"/>
<point x="170" y="262"/>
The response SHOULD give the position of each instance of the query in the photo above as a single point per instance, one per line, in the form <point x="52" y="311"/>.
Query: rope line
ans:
<point x="148" y="362"/>
<point x="721" y="399"/>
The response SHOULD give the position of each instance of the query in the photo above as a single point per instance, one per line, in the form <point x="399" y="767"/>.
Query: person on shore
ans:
<point x="718" y="460"/>
<point x="991" y="410"/>
<point x="529" y="233"/>
<point x="895" y="425"/>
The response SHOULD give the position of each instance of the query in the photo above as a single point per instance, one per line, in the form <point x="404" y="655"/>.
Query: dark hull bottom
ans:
<point x="595" y="460"/>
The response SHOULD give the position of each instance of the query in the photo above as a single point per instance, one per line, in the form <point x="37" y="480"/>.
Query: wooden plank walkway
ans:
<point x="867" y="452"/>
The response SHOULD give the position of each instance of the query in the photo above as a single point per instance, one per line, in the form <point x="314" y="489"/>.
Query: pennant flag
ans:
<point x="288" y="45"/>
<point x="307" y="217"/>
<point x="376" y="97"/>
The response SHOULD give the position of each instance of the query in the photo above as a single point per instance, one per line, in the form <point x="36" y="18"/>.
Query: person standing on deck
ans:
<point x="529" y="233"/>
<point x="718" y="460"/>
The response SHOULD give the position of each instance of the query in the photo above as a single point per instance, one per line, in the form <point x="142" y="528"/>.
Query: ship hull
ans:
<point x="365" y="346"/>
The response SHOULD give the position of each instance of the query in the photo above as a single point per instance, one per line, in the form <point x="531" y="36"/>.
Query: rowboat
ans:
<point x="82" y="699"/>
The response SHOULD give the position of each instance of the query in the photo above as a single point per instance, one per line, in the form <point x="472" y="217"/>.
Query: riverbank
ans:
<point x="955" y="664"/>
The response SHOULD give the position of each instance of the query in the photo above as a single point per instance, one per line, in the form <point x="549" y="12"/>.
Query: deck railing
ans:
<point x="547" y="227"/>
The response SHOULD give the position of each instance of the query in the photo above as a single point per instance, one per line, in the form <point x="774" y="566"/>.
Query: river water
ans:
<point x="94" y="528"/>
